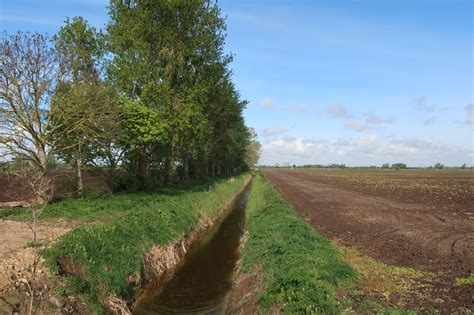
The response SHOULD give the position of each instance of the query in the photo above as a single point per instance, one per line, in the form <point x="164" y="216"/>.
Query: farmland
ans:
<point x="419" y="219"/>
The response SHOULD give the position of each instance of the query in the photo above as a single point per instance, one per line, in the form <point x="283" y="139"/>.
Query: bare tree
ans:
<point x="27" y="78"/>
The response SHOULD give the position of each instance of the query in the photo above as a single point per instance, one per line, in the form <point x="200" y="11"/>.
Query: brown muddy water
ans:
<point x="202" y="283"/>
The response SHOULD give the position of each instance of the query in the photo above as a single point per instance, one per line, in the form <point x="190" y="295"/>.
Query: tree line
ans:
<point x="149" y="99"/>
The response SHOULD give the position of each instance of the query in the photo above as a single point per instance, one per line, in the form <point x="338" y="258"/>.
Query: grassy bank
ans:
<point x="106" y="254"/>
<point x="297" y="270"/>
<point x="101" y="208"/>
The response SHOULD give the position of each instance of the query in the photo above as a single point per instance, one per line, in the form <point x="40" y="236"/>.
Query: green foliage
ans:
<point x="168" y="56"/>
<point x="140" y="123"/>
<point x="466" y="281"/>
<point x="252" y="154"/>
<point x="14" y="212"/>
<point x="399" y="166"/>
<point x="80" y="49"/>
<point x="111" y="251"/>
<point x="301" y="268"/>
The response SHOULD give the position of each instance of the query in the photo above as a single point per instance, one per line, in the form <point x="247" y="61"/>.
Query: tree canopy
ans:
<point x="152" y="94"/>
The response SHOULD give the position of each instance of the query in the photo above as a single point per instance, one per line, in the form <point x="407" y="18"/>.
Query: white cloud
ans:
<point x="338" y="111"/>
<point x="273" y="131"/>
<point x="268" y="103"/>
<point x="300" y="108"/>
<point x="469" y="114"/>
<point x="371" y="120"/>
<point x="363" y="150"/>
<point x="420" y="104"/>
<point x="354" y="125"/>
<point x="369" y="144"/>
<point x="368" y="120"/>
<point x="415" y="145"/>
<point x="429" y="121"/>
<point x="340" y="142"/>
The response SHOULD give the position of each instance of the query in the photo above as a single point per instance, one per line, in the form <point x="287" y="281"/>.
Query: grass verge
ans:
<point x="106" y="254"/>
<point x="103" y="208"/>
<point x="299" y="270"/>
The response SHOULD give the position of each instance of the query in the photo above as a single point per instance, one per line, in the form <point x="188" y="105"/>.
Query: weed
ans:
<point x="466" y="281"/>
<point x="35" y="244"/>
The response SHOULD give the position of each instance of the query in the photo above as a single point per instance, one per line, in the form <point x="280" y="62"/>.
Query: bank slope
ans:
<point x="106" y="259"/>
<point x="286" y="266"/>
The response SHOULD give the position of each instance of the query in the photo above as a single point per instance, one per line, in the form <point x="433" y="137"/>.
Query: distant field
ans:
<point x="416" y="218"/>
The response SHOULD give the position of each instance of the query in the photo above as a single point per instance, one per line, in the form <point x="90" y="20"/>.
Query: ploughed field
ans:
<point x="415" y="218"/>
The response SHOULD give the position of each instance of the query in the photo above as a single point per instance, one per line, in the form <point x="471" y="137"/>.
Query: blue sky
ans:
<point x="354" y="82"/>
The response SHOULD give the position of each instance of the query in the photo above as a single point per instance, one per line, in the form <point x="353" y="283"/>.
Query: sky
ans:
<point x="359" y="82"/>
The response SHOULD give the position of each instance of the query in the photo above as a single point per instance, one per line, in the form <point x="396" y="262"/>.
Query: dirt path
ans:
<point x="435" y="236"/>
<point x="14" y="252"/>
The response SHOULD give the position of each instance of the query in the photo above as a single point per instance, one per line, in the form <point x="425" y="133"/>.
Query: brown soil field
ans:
<point x="413" y="218"/>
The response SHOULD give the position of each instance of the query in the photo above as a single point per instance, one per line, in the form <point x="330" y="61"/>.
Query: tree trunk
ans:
<point x="211" y="169"/>
<point x="205" y="167"/>
<point x="111" y="177"/>
<point x="142" y="167"/>
<point x="167" y="175"/>
<point x="80" y="186"/>
<point x="186" y="167"/>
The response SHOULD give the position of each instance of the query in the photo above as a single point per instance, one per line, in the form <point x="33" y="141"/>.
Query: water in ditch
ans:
<point x="202" y="283"/>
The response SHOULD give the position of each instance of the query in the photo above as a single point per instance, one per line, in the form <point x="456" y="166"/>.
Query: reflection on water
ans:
<point x="203" y="282"/>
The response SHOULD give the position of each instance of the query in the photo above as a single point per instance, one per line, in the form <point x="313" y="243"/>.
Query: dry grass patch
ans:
<point x="391" y="286"/>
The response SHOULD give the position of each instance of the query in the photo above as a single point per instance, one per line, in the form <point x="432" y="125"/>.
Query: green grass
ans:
<point x="104" y="208"/>
<point x="301" y="269"/>
<point x="110" y="251"/>
<point x="469" y="280"/>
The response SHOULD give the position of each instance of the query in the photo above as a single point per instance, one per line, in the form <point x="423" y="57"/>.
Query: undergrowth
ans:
<point x="301" y="269"/>
<point x="102" y="208"/>
<point x="106" y="254"/>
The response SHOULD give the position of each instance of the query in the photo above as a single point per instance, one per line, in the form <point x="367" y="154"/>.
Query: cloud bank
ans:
<point x="362" y="150"/>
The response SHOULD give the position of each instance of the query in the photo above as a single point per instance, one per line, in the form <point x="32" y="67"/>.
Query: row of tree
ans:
<point x="151" y="95"/>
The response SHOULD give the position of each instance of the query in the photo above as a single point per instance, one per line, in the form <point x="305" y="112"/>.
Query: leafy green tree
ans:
<point x="83" y="104"/>
<point x="168" y="55"/>
<point x="80" y="48"/>
<point x="253" y="149"/>
<point x="399" y="166"/>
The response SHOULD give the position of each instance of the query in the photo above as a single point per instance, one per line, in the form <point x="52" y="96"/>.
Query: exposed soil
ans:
<point x="419" y="219"/>
<point x="16" y="267"/>
<point x="14" y="240"/>
<point x="244" y="296"/>
<point x="15" y="235"/>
